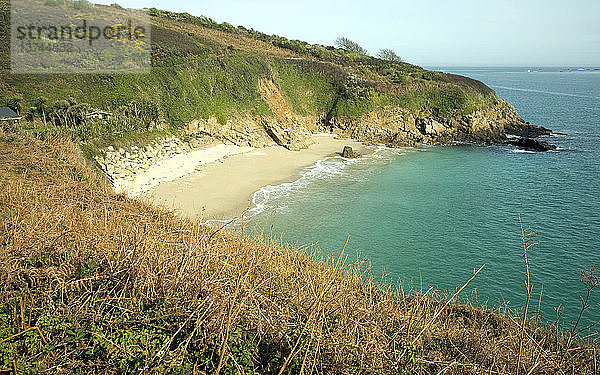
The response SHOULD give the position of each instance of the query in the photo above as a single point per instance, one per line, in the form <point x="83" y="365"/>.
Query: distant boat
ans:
<point x="581" y="69"/>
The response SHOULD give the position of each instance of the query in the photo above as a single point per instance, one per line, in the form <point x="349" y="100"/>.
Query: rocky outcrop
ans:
<point x="395" y="126"/>
<point x="126" y="162"/>
<point x="525" y="129"/>
<point x="531" y="144"/>
<point x="294" y="139"/>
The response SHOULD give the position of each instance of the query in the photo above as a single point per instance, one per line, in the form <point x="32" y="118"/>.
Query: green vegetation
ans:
<point x="213" y="69"/>
<point x="222" y="87"/>
<point x="307" y="92"/>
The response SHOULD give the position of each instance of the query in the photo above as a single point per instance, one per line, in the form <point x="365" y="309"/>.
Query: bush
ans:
<point x="82" y="5"/>
<point x="446" y="101"/>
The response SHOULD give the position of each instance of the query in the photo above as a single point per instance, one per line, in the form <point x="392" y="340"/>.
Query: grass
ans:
<point x="307" y="91"/>
<point x="93" y="282"/>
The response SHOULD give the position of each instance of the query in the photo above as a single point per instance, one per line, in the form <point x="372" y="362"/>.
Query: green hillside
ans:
<point x="201" y="69"/>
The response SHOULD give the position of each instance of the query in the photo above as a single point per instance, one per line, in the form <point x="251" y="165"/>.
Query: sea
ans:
<point x="427" y="217"/>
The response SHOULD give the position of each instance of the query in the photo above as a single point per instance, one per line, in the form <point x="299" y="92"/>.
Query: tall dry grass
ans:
<point x="94" y="282"/>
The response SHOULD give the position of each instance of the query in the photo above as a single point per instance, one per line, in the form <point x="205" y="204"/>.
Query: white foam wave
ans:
<point x="324" y="169"/>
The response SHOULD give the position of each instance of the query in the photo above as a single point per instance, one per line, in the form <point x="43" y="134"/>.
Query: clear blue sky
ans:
<point x="424" y="32"/>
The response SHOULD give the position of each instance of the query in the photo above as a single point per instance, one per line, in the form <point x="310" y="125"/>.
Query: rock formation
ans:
<point x="398" y="127"/>
<point x="349" y="153"/>
<point x="531" y="144"/>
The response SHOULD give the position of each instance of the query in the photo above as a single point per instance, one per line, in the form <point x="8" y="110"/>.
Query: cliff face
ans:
<point x="396" y="126"/>
<point x="391" y="125"/>
<point x="289" y="124"/>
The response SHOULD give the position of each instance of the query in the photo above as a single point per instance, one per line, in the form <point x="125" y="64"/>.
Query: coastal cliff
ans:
<point x="213" y="82"/>
<point x="390" y="125"/>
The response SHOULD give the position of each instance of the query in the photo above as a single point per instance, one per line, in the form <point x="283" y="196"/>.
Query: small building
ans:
<point x="99" y="115"/>
<point x="8" y="115"/>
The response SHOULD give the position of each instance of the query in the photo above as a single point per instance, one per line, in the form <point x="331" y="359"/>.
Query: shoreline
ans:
<point x="223" y="189"/>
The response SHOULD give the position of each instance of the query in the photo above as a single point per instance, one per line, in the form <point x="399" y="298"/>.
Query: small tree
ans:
<point x="59" y="112"/>
<point x="41" y="109"/>
<point x="16" y="103"/>
<point x="349" y="45"/>
<point x="389" y="55"/>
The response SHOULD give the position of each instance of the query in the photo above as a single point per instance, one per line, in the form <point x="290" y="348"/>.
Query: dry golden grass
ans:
<point x="93" y="282"/>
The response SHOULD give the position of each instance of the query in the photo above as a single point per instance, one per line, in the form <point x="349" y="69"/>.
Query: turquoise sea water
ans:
<point x="433" y="214"/>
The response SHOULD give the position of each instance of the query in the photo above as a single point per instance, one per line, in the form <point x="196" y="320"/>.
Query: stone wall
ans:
<point x="126" y="162"/>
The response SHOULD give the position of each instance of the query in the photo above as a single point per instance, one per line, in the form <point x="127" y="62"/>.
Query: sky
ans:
<point x="423" y="32"/>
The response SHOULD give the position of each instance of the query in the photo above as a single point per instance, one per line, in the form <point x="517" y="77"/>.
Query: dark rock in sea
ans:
<point x="531" y="144"/>
<point x="349" y="153"/>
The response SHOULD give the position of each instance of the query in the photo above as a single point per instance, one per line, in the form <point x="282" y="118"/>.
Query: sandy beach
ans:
<point x="175" y="167"/>
<point x="223" y="189"/>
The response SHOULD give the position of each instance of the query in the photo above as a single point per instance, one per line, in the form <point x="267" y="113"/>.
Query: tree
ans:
<point x="16" y="103"/>
<point x="78" y="111"/>
<point x="59" y="112"/>
<point x="41" y="107"/>
<point x="389" y="55"/>
<point x="348" y="45"/>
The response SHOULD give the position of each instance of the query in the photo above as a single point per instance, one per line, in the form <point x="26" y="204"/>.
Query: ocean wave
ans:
<point x="322" y="170"/>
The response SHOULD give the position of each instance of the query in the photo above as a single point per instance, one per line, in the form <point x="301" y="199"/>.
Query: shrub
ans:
<point x="82" y="5"/>
<point x="445" y="101"/>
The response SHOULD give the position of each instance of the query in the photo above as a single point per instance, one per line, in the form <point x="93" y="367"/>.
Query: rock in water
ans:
<point x="531" y="144"/>
<point x="526" y="130"/>
<point x="349" y="153"/>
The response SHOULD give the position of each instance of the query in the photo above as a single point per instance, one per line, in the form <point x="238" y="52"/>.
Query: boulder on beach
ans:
<point x="349" y="153"/>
